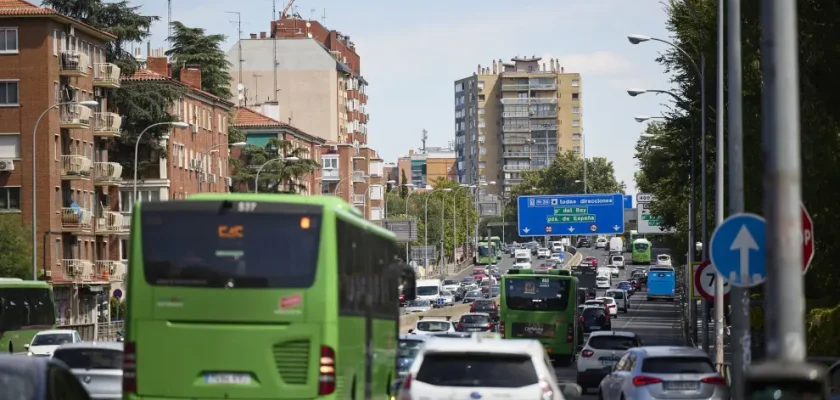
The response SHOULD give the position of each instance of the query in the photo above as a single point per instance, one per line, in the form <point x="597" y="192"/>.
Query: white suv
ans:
<point x="433" y="326"/>
<point x="611" y="304"/>
<point x="602" y="349"/>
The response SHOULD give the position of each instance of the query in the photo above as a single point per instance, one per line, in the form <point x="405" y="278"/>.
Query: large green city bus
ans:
<point x="541" y="305"/>
<point x="26" y="308"/>
<point x="486" y="254"/>
<point x="261" y="296"/>
<point x="632" y="235"/>
<point x="641" y="251"/>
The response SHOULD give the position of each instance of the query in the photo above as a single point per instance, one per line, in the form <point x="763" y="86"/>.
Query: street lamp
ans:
<point x="213" y="149"/>
<point x="177" y="124"/>
<point x="426" y="226"/>
<point x="643" y="118"/>
<point x="257" y="177"/>
<point x="87" y="103"/>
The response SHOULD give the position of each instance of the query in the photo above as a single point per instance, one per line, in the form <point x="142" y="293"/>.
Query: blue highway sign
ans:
<point x="584" y="214"/>
<point x="628" y="201"/>
<point x="737" y="249"/>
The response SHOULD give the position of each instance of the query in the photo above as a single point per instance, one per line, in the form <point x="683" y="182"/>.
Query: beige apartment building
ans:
<point x="424" y="166"/>
<point x="513" y="117"/>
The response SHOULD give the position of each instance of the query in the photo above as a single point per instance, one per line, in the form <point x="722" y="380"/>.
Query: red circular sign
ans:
<point x="700" y="286"/>
<point x="807" y="239"/>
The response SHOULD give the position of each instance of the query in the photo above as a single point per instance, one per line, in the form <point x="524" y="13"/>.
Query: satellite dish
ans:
<point x="309" y="35"/>
<point x="308" y="24"/>
<point x="241" y="96"/>
<point x="240" y="86"/>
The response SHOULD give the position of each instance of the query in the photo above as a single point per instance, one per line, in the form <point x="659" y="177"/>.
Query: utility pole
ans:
<point x="719" y="174"/>
<point x="274" y="48"/>
<point x="739" y="297"/>
<point x="239" y="45"/>
<point x="169" y="23"/>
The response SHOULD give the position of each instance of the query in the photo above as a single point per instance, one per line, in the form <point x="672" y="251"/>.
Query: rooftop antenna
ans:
<point x="423" y="137"/>
<point x="169" y="23"/>
<point x="324" y="17"/>
<point x="239" y="32"/>
<point x="256" y="88"/>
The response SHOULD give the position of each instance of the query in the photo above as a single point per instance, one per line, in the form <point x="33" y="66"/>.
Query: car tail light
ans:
<point x="489" y="326"/>
<point x="459" y="326"/>
<point x="612" y="305"/>
<point x="608" y="317"/>
<point x="547" y="393"/>
<point x="472" y="307"/>
<point x="645" y="380"/>
<point x="326" y="371"/>
<point x="129" y="381"/>
<point x="405" y="389"/>
<point x="714" y="380"/>
<point x="581" y="318"/>
<point x="587" y="353"/>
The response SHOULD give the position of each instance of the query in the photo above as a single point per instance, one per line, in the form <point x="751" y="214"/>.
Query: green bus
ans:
<point x="632" y="235"/>
<point x="641" y="251"/>
<point x="258" y="296"/>
<point x="26" y="308"/>
<point x="486" y="254"/>
<point x="497" y="241"/>
<point x="541" y="305"/>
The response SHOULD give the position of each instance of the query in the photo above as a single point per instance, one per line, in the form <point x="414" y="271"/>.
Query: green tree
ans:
<point x="403" y="185"/>
<point x="192" y="46"/>
<point x="279" y="175"/>
<point x="15" y="248"/>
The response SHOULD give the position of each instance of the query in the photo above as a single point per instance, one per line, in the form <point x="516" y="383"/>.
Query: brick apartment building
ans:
<point x="48" y="60"/>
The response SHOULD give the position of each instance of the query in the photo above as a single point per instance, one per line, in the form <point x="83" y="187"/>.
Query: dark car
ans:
<point x="486" y="306"/>
<point x="626" y="285"/>
<point x="409" y="347"/>
<point x="595" y="318"/>
<point x="584" y="242"/>
<point x="38" y="378"/>
<point x="591" y="292"/>
<point x="476" y="322"/>
<point x="582" y="295"/>
<point x="472" y="296"/>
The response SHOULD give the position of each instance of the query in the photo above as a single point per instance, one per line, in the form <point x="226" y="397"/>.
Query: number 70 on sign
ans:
<point x="703" y="282"/>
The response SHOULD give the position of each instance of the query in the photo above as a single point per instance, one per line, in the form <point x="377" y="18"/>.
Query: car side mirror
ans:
<point x="26" y="346"/>
<point x="411" y="331"/>
<point x="570" y="390"/>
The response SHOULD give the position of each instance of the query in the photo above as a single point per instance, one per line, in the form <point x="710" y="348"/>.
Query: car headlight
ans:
<point x="29" y="353"/>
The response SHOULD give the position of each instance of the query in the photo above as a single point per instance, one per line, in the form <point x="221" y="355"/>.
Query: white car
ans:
<point x="543" y="252"/>
<point x="663" y="259"/>
<point x="493" y="368"/>
<point x="618" y="261"/>
<point x="433" y="325"/>
<point x="602" y="282"/>
<point x="613" y="271"/>
<point x="417" y="306"/>
<point x="602" y="349"/>
<point x="622" y="298"/>
<point x="97" y="365"/>
<point x="556" y="257"/>
<point x="611" y="304"/>
<point x="45" y="342"/>
<point x="601" y="243"/>
<point x="446" y="298"/>
<point x="451" y="285"/>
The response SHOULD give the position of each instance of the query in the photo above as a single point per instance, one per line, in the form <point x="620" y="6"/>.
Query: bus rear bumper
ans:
<point x="333" y="396"/>
<point x="668" y="297"/>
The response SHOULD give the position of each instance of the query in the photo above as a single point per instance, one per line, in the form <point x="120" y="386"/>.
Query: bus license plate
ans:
<point x="595" y="328"/>
<point x="227" y="379"/>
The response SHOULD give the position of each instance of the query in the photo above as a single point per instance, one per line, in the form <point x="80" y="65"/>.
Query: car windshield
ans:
<point x="593" y="312"/>
<point x="678" y="365"/>
<point x="419" y="303"/>
<point x="427" y="290"/>
<point x="409" y="348"/>
<point x="477" y="370"/>
<point x="52" y="339"/>
<point x="434" y="326"/>
<point x="599" y="303"/>
<point x="608" y="300"/>
<point x="475" y="319"/>
<point x="450" y="282"/>
<point x="90" y="358"/>
<point x="602" y="278"/>
<point x="613" y="342"/>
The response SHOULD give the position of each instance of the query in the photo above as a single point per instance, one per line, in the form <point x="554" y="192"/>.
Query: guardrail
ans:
<point x="574" y="261"/>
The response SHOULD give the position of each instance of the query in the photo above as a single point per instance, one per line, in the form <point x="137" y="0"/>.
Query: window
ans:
<point x="9" y="93"/>
<point x="549" y="294"/>
<point x="575" y="110"/>
<point x="576" y="123"/>
<point x="9" y="145"/>
<point x="9" y="198"/>
<point x="55" y="42"/>
<point x="576" y="136"/>
<point x="575" y="83"/>
<point x="329" y="163"/>
<point x="376" y="192"/>
<point x="8" y="40"/>
<point x="686" y="365"/>
<point x="90" y="358"/>
<point x="575" y="96"/>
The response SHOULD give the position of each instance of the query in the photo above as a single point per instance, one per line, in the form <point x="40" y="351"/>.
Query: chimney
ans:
<point x="494" y="67"/>
<point x="479" y="69"/>
<point x="158" y="65"/>
<point x="262" y="35"/>
<point x="191" y="76"/>
<point x="253" y="36"/>
<point x="562" y="70"/>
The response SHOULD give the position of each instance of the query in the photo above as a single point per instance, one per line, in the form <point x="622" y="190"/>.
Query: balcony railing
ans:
<point x="515" y="128"/>
<point x="358" y="199"/>
<point x="514" y="101"/>
<point x="75" y="219"/>
<point x="112" y="223"/>
<point x="543" y="100"/>
<point x="543" y="86"/>
<point x="73" y="63"/>
<point x="330" y="175"/>
<point x="106" y="124"/>
<point x="75" y="167"/>
<point x="74" y="116"/>
<point x="515" y="141"/>
<point x="517" y="154"/>
<point x="106" y="75"/>
<point x="544" y="127"/>
<point x="358" y="176"/>
<point x="544" y="114"/>
<point x="514" y="168"/>
<point x="76" y="269"/>
<point x="110" y="270"/>
<point x="516" y="88"/>
<point x="515" y="114"/>
<point x="106" y="173"/>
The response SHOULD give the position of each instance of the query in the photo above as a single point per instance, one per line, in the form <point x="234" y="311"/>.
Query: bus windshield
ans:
<point x="640" y="246"/>
<point x="537" y="294"/>
<point x="483" y="250"/>
<point x="22" y="308"/>
<point x="230" y="250"/>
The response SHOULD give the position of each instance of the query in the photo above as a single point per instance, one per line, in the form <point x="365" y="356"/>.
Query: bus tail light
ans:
<point x="129" y="380"/>
<point x="570" y="333"/>
<point x="326" y="371"/>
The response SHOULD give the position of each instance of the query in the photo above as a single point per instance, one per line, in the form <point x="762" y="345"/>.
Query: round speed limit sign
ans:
<point x="704" y="281"/>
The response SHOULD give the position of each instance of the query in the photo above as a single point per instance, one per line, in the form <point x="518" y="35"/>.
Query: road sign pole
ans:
<point x="782" y="190"/>
<point x="719" y="171"/>
<point x="739" y="298"/>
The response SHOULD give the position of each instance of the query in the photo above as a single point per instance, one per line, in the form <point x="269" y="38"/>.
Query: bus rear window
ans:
<point x="537" y="294"/>
<point x="226" y="249"/>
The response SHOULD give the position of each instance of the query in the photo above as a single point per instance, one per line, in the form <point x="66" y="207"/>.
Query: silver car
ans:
<point x="663" y="372"/>
<point x="98" y="366"/>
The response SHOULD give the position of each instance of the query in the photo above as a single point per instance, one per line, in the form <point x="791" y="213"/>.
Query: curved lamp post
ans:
<point x="177" y="124"/>
<point x="257" y="177"/>
<point x="213" y="149"/>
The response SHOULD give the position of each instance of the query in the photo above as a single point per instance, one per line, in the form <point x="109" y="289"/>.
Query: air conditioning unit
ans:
<point x="7" y="165"/>
<point x="194" y="128"/>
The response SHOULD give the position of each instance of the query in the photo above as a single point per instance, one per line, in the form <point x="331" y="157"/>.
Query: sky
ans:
<point x="413" y="51"/>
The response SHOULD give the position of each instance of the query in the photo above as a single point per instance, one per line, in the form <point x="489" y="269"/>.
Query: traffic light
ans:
<point x="778" y="380"/>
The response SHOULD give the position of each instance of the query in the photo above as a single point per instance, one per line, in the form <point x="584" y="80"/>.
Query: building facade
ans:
<point x="49" y="64"/>
<point x="513" y="117"/>
<point x="357" y="175"/>
<point x="425" y="166"/>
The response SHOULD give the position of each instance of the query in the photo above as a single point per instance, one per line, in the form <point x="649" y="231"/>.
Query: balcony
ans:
<point x="515" y="168"/>
<point x="516" y="141"/>
<point x="74" y="116"/>
<point x="112" y="223"/>
<point x="73" y="64"/>
<point x="106" y="124"/>
<point x="75" y="270"/>
<point x="106" y="76"/>
<point x="514" y="88"/>
<point x="544" y="86"/>
<point x="75" y="168"/>
<point x="515" y="114"/>
<point x="358" y="176"/>
<point x="517" y="154"/>
<point x="514" y="101"/>
<point x="544" y="114"/>
<point x="543" y="100"/>
<point x="358" y="199"/>
<point x="106" y="173"/>
<point x="110" y="270"/>
<point x="76" y="219"/>
<point x="330" y="175"/>
<point x="516" y="128"/>
<point x="544" y="127"/>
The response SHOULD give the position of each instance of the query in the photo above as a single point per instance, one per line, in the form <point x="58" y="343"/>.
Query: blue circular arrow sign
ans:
<point x="117" y="293"/>
<point x="737" y="249"/>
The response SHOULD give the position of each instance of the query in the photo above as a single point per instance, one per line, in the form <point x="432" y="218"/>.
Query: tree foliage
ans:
<point x="563" y="176"/>
<point x="15" y="248"/>
<point x="403" y="185"/>
<point x="665" y="159"/>
<point x="279" y="175"/>
<point x="192" y="46"/>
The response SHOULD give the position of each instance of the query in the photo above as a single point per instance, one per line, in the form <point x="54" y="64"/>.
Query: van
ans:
<point x="522" y="259"/>
<point x="429" y="289"/>
<point x="556" y="247"/>
<point x="616" y="245"/>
